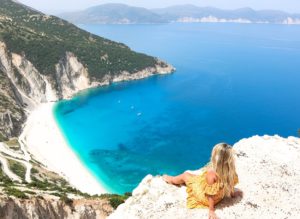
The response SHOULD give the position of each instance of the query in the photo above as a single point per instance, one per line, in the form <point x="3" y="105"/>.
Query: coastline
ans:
<point x="42" y="139"/>
<point x="46" y="143"/>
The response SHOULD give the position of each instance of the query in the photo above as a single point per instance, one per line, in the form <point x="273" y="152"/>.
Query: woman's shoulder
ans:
<point x="209" y="184"/>
<point x="211" y="176"/>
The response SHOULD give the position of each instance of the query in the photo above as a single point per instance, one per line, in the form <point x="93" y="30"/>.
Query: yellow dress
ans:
<point x="198" y="189"/>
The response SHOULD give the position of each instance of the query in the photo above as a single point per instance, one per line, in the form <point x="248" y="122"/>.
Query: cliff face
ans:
<point x="34" y="88"/>
<point x="269" y="176"/>
<point x="11" y="107"/>
<point x="23" y="87"/>
<point x="71" y="76"/>
<point x="53" y="209"/>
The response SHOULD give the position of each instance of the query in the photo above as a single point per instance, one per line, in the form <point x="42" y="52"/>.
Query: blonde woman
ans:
<point x="216" y="181"/>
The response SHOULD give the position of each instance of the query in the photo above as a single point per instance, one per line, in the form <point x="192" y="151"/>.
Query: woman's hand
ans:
<point x="212" y="215"/>
<point x="237" y="193"/>
<point x="211" y="206"/>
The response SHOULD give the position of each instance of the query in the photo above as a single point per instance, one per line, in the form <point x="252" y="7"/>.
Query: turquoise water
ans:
<point x="232" y="81"/>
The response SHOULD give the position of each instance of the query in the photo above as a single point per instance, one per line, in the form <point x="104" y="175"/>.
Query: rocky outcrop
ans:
<point x="29" y="81"/>
<point x="35" y="88"/>
<point x="269" y="175"/>
<point x="71" y="76"/>
<point x="12" y="115"/>
<point x="11" y="105"/>
<point x="160" y="68"/>
<point x="54" y="208"/>
<point x="6" y="123"/>
<point x="24" y="78"/>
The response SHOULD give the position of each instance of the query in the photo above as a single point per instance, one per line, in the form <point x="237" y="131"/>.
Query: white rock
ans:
<point x="269" y="174"/>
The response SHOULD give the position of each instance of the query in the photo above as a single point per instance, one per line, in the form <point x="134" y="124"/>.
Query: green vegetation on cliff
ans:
<point x="17" y="168"/>
<point x="115" y="200"/>
<point x="45" y="40"/>
<point x="11" y="191"/>
<point x="4" y="180"/>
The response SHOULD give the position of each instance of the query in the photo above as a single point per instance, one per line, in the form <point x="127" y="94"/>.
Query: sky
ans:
<point x="57" y="6"/>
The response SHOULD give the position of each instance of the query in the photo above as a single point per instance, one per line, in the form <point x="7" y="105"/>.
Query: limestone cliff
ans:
<point x="11" y="107"/>
<point x="269" y="175"/>
<point x="48" y="208"/>
<point x="71" y="76"/>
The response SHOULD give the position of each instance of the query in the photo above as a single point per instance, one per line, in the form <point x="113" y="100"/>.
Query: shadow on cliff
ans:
<point x="227" y="202"/>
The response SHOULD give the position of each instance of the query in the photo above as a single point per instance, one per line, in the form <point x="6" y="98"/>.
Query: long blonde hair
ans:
<point x="223" y="162"/>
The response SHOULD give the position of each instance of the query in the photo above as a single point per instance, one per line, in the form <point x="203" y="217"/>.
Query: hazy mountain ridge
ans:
<point x="177" y="13"/>
<point x="124" y="14"/>
<point x="113" y="13"/>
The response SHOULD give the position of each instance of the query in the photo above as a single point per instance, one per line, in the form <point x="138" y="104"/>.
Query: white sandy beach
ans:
<point x="46" y="143"/>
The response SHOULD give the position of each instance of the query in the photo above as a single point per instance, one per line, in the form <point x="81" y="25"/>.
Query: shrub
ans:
<point x="64" y="198"/>
<point x="29" y="192"/>
<point x="34" y="171"/>
<point x="64" y="188"/>
<point x="12" y="142"/>
<point x="115" y="200"/>
<point x="5" y="180"/>
<point x="18" y="168"/>
<point x="2" y="137"/>
<point x="11" y="191"/>
<point x="43" y="185"/>
<point x="57" y="194"/>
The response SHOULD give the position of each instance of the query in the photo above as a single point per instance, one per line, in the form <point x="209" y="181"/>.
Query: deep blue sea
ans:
<point x="232" y="81"/>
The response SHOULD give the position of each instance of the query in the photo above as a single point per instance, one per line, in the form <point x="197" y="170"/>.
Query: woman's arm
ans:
<point x="210" y="179"/>
<point x="211" y="206"/>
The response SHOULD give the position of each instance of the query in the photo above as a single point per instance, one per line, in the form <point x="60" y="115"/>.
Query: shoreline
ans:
<point x="46" y="143"/>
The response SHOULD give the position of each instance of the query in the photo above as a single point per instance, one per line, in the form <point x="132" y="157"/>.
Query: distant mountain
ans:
<point x="124" y="14"/>
<point x="113" y="14"/>
<point x="191" y="13"/>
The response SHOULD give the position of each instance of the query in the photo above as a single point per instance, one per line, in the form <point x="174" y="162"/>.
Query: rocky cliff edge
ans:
<point x="269" y="174"/>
